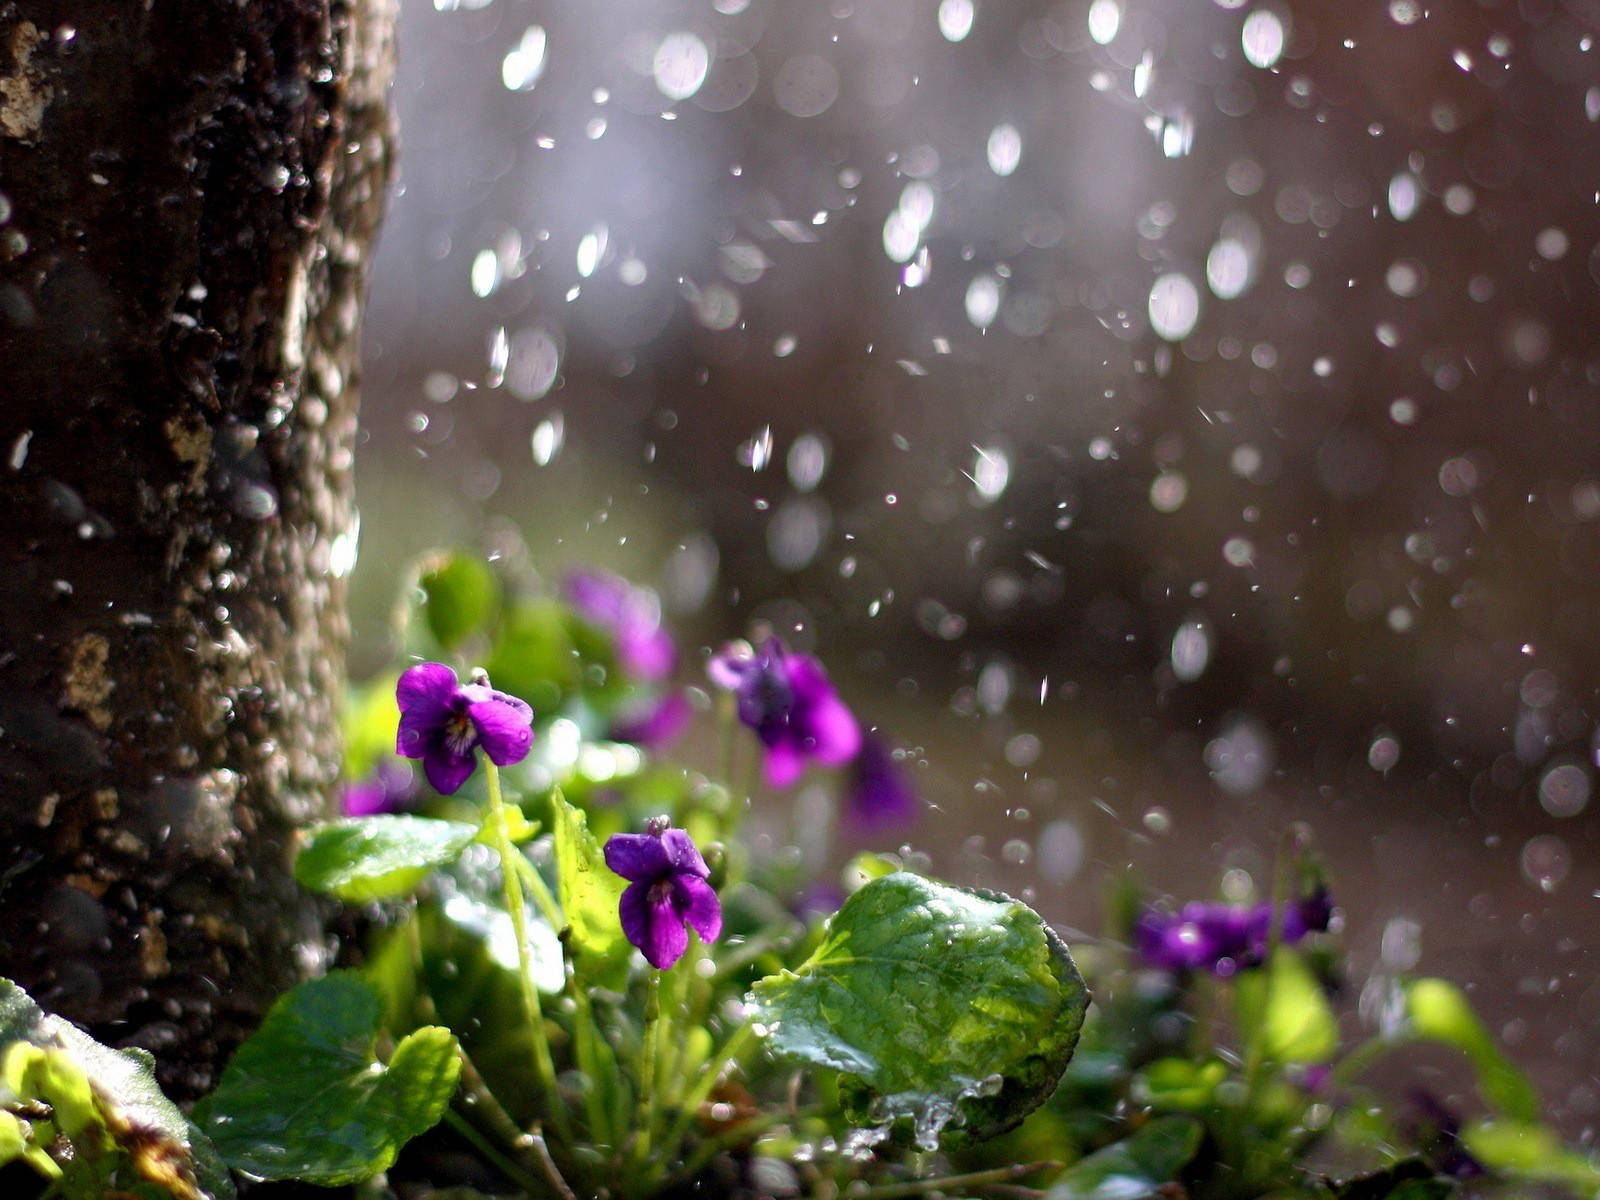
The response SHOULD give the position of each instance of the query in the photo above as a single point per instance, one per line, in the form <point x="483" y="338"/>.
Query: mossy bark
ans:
<point x="188" y="198"/>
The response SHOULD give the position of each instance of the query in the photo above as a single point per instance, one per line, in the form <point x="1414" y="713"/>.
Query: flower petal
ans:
<point x="447" y="771"/>
<point x="655" y="725"/>
<point x="634" y="910"/>
<point x="697" y="905"/>
<point x="683" y="855"/>
<point x="729" y="668"/>
<point x="833" y="731"/>
<point x="504" y="729"/>
<point x="425" y="689"/>
<point x="666" y="939"/>
<point x="785" y="762"/>
<point x="637" y="856"/>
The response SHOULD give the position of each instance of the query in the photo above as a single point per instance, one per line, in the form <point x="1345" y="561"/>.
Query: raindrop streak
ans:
<point x="592" y="249"/>
<point x="1191" y="649"/>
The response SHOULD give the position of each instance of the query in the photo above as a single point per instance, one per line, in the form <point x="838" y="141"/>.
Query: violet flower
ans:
<point x="879" y="796"/>
<point x="631" y="615"/>
<point x="787" y="699"/>
<point x="654" y="724"/>
<point x="389" y="788"/>
<point x="443" y="723"/>
<point x="1223" y="938"/>
<point x="667" y="891"/>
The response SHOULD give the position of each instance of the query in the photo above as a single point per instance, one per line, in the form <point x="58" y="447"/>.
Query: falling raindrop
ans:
<point x="1174" y="306"/>
<point x="522" y="66"/>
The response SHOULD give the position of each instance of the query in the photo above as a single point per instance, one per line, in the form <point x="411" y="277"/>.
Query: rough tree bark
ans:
<point x="188" y="196"/>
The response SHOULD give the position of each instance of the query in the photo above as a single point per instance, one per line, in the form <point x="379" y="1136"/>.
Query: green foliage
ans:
<point x="307" y="1098"/>
<point x="1412" y="1179"/>
<point x="371" y="717"/>
<point x="1439" y="1011"/>
<point x="1136" y="1166"/>
<point x="589" y="892"/>
<point x="460" y="596"/>
<point x="91" y="1118"/>
<point x="940" y="1006"/>
<point x="1284" y="1007"/>
<point x="377" y="858"/>
<point x="1532" y="1151"/>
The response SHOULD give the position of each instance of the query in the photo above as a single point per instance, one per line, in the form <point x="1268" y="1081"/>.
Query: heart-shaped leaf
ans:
<point x="952" y="1009"/>
<point x="305" y="1097"/>
<point x="377" y="858"/>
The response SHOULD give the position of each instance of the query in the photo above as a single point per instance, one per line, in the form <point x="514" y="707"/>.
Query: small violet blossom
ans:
<point x="443" y="723"/>
<point x="667" y="893"/>
<point x="1222" y="938"/>
<point x="879" y="797"/>
<point x="390" y="788"/>
<point x="655" y="723"/>
<point x="787" y="699"/>
<point x="631" y="615"/>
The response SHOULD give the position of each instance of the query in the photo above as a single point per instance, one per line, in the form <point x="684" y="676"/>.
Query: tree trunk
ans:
<point x="188" y="197"/>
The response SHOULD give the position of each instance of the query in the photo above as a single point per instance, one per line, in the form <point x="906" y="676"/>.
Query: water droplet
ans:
<point x="1262" y="38"/>
<point x="680" y="65"/>
<point x="756" y="452"/>
<point x="1405" y="196"/>
<point x="592" y="250"/>
<point x="1105" y="18"/>
<point x="1191" y="649"/>
<point x="548" y="437"/>
<point x="1564" y="789"/>
<point x="1546" y="861"/>
<point x="1174" y="306"/>
<point x="1383" y="753"/>
<point x="991" y="471"/>
<point x="983" y="301"/>
<point x="522" y="66"/>
<point x="1004" y="149"/>
<point x="955" y="19"/>
<point x="806" y="85"/>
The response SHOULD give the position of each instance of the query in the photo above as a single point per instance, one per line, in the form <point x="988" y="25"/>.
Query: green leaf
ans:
<point x="940" y="1006"/>
<point x="1179" y="1083"/>
<point x="108" y="1102"/>
<point x="534" y="656"/>
<point x="377" y="858"/>
<point x="460" y="596"/>
<point x="371" y="716"/>
<point x="1531" y="1151"/>
<point x="1440" y="1012"/>
<point x="1134" y="1167"/>
<point x="1284" y="1005"/>
<point x="305" y="1098"/>
<point x="589" y="891"/>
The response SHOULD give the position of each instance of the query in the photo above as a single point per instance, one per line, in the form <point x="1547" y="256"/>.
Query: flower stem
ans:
<point x="919" y="1187"/>
<point x="648" y="1053"/>
<point x="512" y="883"/>
<point x="709" y="1074"/>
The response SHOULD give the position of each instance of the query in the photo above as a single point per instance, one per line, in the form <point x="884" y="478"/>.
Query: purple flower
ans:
<point x="787" y="699"/>
<point x="388" y="789"/>
<point x="1222" y="938"/>
<point x="667" y="892"/>
<point x="655" y="724"/>
<point x="443" y="723"/>
<point x="879" y="798"/>
<point x="631" y="615"/>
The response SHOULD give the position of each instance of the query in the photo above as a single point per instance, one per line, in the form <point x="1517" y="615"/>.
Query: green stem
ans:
<point x="731" y="1049"/>
<point x="738" y="1135"/>
<point x="647" y="1067"/>
<point x="540" y="891"/>
<point x="497" y="1160"/>
<point x="584" y="1035"/>
<point x="511" y="879"/>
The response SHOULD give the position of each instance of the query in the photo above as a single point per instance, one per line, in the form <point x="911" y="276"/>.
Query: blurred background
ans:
<point x="1169" y="419"/>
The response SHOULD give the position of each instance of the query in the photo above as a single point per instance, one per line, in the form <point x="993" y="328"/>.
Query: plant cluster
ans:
<point x="580" y="983"/>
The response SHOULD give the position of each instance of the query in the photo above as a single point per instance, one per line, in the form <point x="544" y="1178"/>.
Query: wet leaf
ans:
<point x="1283" y="1004"/>
<point x="589" y="891"/>
<point x="1440" y="1012"/>
<point x="377" y="858"/>
<point x="460" y="596"/>
<point x="125" y="1133"/>
<point x="952" y="1009"/>
<point x="1134" y="1167"/>
<point x="1531" y="1151"/>
<point x="305" y="1097"/>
